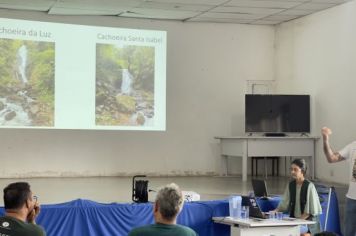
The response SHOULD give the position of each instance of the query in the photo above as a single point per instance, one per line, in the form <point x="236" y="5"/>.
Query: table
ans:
<point x="263" y="227"/>
<point x="329" y="221"/>
<point x="261" y="146"/>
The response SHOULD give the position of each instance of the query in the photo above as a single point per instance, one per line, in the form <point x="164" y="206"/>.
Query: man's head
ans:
<point x="17" y="195"/>
<point x="169" y="202"/>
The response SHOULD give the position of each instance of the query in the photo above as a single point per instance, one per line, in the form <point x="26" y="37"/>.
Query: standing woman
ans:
<point x="300" y="199"/>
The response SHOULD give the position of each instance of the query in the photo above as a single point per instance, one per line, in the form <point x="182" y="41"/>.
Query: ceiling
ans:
<point x="260" y="12"/>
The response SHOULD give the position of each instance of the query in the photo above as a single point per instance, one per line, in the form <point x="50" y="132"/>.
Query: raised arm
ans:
<point x="331" y="156"/>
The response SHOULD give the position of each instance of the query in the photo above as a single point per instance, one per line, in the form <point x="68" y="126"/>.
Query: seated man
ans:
<point x="168" y="204"/>
<point x="301" y="199"/>
<point x="21" y="210"/>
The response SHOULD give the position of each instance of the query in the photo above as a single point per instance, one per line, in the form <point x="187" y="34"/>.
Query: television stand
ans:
<point x="261" y="146"/>
<point x="275" y="134"/>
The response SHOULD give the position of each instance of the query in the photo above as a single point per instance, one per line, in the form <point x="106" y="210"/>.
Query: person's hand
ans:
<point x="34" y="213"/>
<point x="37" y="209"/>
<point x="325" y="131"/>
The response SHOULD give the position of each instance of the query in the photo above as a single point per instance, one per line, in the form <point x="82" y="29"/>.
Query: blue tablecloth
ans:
<point x="269" y="204"/>
<point x="88" y="218"/>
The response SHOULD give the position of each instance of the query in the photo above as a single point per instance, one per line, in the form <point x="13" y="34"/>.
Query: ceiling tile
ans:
<point x="204" y="2"/>
<point x="280" y="18"/>
<point x="231" y="16"/>
<point x="159" y="14"/>
<point x="294" y="12"/>
<point x="103" y="4"/>
<point x="290" y="0"/>
<point x="247" y="10"/>
<point x="315" y="6"/>
<point x="330" y="1"/>
<point x="175" y="6"/>
<point x="78" y="11"/>
<point x="24" y="7"/>
<point x="80" y="8"/>
<point x="265" y="4"/>
<point x="36" y="5"/>
<point x="266" y="22"/>
<point x="220" y="20"/>
<point x="27" y="2"/>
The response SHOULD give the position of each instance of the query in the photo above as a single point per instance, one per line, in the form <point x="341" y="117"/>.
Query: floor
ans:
<point x="119" y="189"/>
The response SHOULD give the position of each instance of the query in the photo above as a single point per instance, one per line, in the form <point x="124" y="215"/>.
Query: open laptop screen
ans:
<point x="259" y="188"/>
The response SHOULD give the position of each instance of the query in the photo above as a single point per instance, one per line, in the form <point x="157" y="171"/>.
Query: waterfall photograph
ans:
<point x="27" y="83"/>
<point x="124" y="85"/>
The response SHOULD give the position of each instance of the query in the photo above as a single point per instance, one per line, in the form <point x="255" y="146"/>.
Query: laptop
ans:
<point x="259" y="188"/>
<point x="255" y="211"/>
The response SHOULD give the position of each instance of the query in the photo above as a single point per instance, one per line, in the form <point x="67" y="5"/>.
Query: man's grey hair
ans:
<point x="170" y="201"/>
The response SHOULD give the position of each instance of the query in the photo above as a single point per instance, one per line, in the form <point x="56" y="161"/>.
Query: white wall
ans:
<point x="207" y="68"/>
<point x="317" y="55"/>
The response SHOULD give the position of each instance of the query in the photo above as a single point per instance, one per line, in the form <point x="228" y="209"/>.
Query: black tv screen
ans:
<point x="277" y="113"/>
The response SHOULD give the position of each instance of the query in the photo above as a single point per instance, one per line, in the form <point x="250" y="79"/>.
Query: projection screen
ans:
<point x="65" y="76"/>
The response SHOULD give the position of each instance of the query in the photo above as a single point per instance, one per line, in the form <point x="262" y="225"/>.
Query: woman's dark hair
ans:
<point x="301" y="164"/>
<point x="16" y="195"/>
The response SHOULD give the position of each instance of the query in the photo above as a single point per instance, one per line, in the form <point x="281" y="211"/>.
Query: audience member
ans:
<point x="167" y="206"/>
<point x="21" y="210"/>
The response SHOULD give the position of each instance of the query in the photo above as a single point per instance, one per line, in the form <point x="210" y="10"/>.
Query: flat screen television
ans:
<point x="277" y="113"/>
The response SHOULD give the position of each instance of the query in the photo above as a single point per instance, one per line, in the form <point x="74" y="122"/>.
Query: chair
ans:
<point x="256" y="159"/>
<point x="324" y="227"/>
<point x="328" y="198"/>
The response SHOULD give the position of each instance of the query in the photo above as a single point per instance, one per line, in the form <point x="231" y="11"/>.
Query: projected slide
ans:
<point x="124" y="85"/>
<point x="27" y="83"/>
<point x="66" y="76"/>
